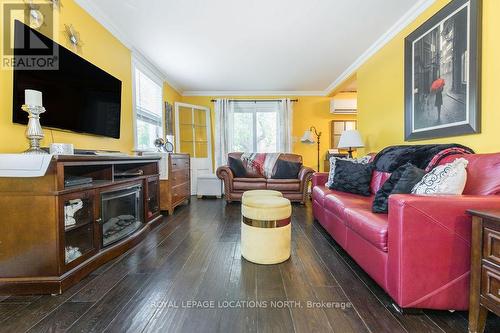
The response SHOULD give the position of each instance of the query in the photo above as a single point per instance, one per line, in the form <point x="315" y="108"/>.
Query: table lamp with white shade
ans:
<point x="350" y="139"/>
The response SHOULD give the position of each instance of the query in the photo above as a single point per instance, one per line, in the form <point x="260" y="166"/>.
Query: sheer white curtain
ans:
<point x="223" y="130"/>
<point x="285" y="124"/>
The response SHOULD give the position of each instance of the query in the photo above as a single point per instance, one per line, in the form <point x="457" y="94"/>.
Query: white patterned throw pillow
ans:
<point x="444" y="179"/>
<point x="333" y="160"/>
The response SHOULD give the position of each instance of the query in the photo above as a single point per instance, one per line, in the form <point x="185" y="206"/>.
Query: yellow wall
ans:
<point x="308" y="111"/>
<point x="381" y="89"/>
<point x="170" y="94"/>
<point x="100" y="48"/>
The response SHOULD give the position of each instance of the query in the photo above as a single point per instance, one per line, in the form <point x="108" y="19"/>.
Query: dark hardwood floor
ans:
<point x="188" y="276"/>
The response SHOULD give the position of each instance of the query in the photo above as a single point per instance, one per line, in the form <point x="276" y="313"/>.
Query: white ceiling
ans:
<point x="300" y="46"/>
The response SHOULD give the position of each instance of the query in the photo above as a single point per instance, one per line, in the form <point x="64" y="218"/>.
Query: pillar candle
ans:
<point x="32" y="97"/>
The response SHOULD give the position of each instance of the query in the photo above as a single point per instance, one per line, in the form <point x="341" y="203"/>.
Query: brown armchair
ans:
<point x="296" y="190"/>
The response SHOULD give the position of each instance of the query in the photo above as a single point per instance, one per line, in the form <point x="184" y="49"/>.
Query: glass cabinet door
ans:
<point x="78" y="223"/>
<point x="153" y="198"/>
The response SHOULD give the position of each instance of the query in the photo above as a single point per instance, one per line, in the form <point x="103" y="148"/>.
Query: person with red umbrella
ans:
<point x="437" y="87"/>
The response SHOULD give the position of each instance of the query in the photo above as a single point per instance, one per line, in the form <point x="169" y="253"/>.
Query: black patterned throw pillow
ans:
<point x="352" y="177"/>
<point x="287" y="169"/>
<point x="333" y="160"/>
<point x="401" y="181"/>
<point x="236" y="166"/>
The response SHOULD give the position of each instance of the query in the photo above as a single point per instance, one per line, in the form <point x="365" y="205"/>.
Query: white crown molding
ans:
<point x="410" y="16"/>
<point x="253" y="93"/>
<point x="141" y="58"/>
<point x="106" y="22"/>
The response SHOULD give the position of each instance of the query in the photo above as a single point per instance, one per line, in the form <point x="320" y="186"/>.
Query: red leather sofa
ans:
<point x="420" y="251"/>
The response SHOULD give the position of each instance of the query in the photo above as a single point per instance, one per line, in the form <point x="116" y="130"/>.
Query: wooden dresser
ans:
<point x="175" y="190"/>
<point x="485" y="268"/>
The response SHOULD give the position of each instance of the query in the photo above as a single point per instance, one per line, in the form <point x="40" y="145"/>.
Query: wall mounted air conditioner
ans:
<point x="344" y="106"/>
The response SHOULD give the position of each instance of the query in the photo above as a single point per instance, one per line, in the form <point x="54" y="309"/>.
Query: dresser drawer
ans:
<point x="180" y="192"/>
<point x="180" y="163"/>
<point x="490" y="284"/>
<point x="178" y="177"/>
<point x="491" y="245"/>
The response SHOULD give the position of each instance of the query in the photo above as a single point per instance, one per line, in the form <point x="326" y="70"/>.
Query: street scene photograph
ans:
<point x="440" y="74"/>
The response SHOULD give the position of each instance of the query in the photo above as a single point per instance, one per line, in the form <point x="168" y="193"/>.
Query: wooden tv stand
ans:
<point x="46" y="247"/>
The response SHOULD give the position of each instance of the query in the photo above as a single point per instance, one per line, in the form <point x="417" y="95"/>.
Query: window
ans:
<point x="148" y="109"/>
<point x="255" y="126"/>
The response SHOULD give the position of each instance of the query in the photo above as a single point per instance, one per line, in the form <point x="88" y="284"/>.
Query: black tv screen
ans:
<point x="78" y="96"/>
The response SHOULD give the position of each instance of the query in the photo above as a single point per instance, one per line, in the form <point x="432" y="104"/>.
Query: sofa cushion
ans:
<point x="284" y="185"/>
<point x="352" y="177"/>
<point x="447" y="179"/>
<point x="483" y="173"/>
<point x="245" y="184"/>
<point x="286" y="169"/>
<point x="319" y="193"/>
<point x="401" y="181"/>
<point x="333" y="162"/>
<point x="370" y="226"/>
<point x="336" y="202"/>
<point x="236" y="166"/>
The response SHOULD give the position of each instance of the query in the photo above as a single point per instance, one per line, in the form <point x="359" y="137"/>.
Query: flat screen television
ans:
<point x="78" y="97"/>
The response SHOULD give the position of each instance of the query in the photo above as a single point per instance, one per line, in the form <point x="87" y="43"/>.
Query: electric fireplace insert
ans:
<point x="121" y="213"/>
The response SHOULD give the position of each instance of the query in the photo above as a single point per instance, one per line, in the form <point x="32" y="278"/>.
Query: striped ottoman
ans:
<point x="259" y="193"/>
<point x="265" y="229"/>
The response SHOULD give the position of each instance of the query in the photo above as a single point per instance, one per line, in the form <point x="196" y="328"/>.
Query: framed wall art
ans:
<point x="443" y="73"/>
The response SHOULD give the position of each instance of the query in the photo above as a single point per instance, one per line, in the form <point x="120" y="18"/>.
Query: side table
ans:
<point x="485" y="268"/>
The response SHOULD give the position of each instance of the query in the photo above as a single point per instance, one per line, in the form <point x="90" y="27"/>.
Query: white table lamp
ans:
<point x="350" y="139"/>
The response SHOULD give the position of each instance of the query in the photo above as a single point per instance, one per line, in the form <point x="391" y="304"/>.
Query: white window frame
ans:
<point x="149" y="70"/>
<point x="254" y="111"/>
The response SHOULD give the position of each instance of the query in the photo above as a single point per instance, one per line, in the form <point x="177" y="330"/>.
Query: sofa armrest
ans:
<point x="226" y="174"/>
<point x="305" y="174"/>
<point x="319" y="178"/>
<point x="429" y="249"/>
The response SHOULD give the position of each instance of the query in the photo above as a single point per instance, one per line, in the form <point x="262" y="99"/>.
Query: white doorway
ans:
<point x="193" y="136"/>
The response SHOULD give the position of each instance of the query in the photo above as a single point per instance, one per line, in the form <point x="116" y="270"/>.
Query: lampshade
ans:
<point x="307" y="137"/>
<point x="350" y="139"/>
